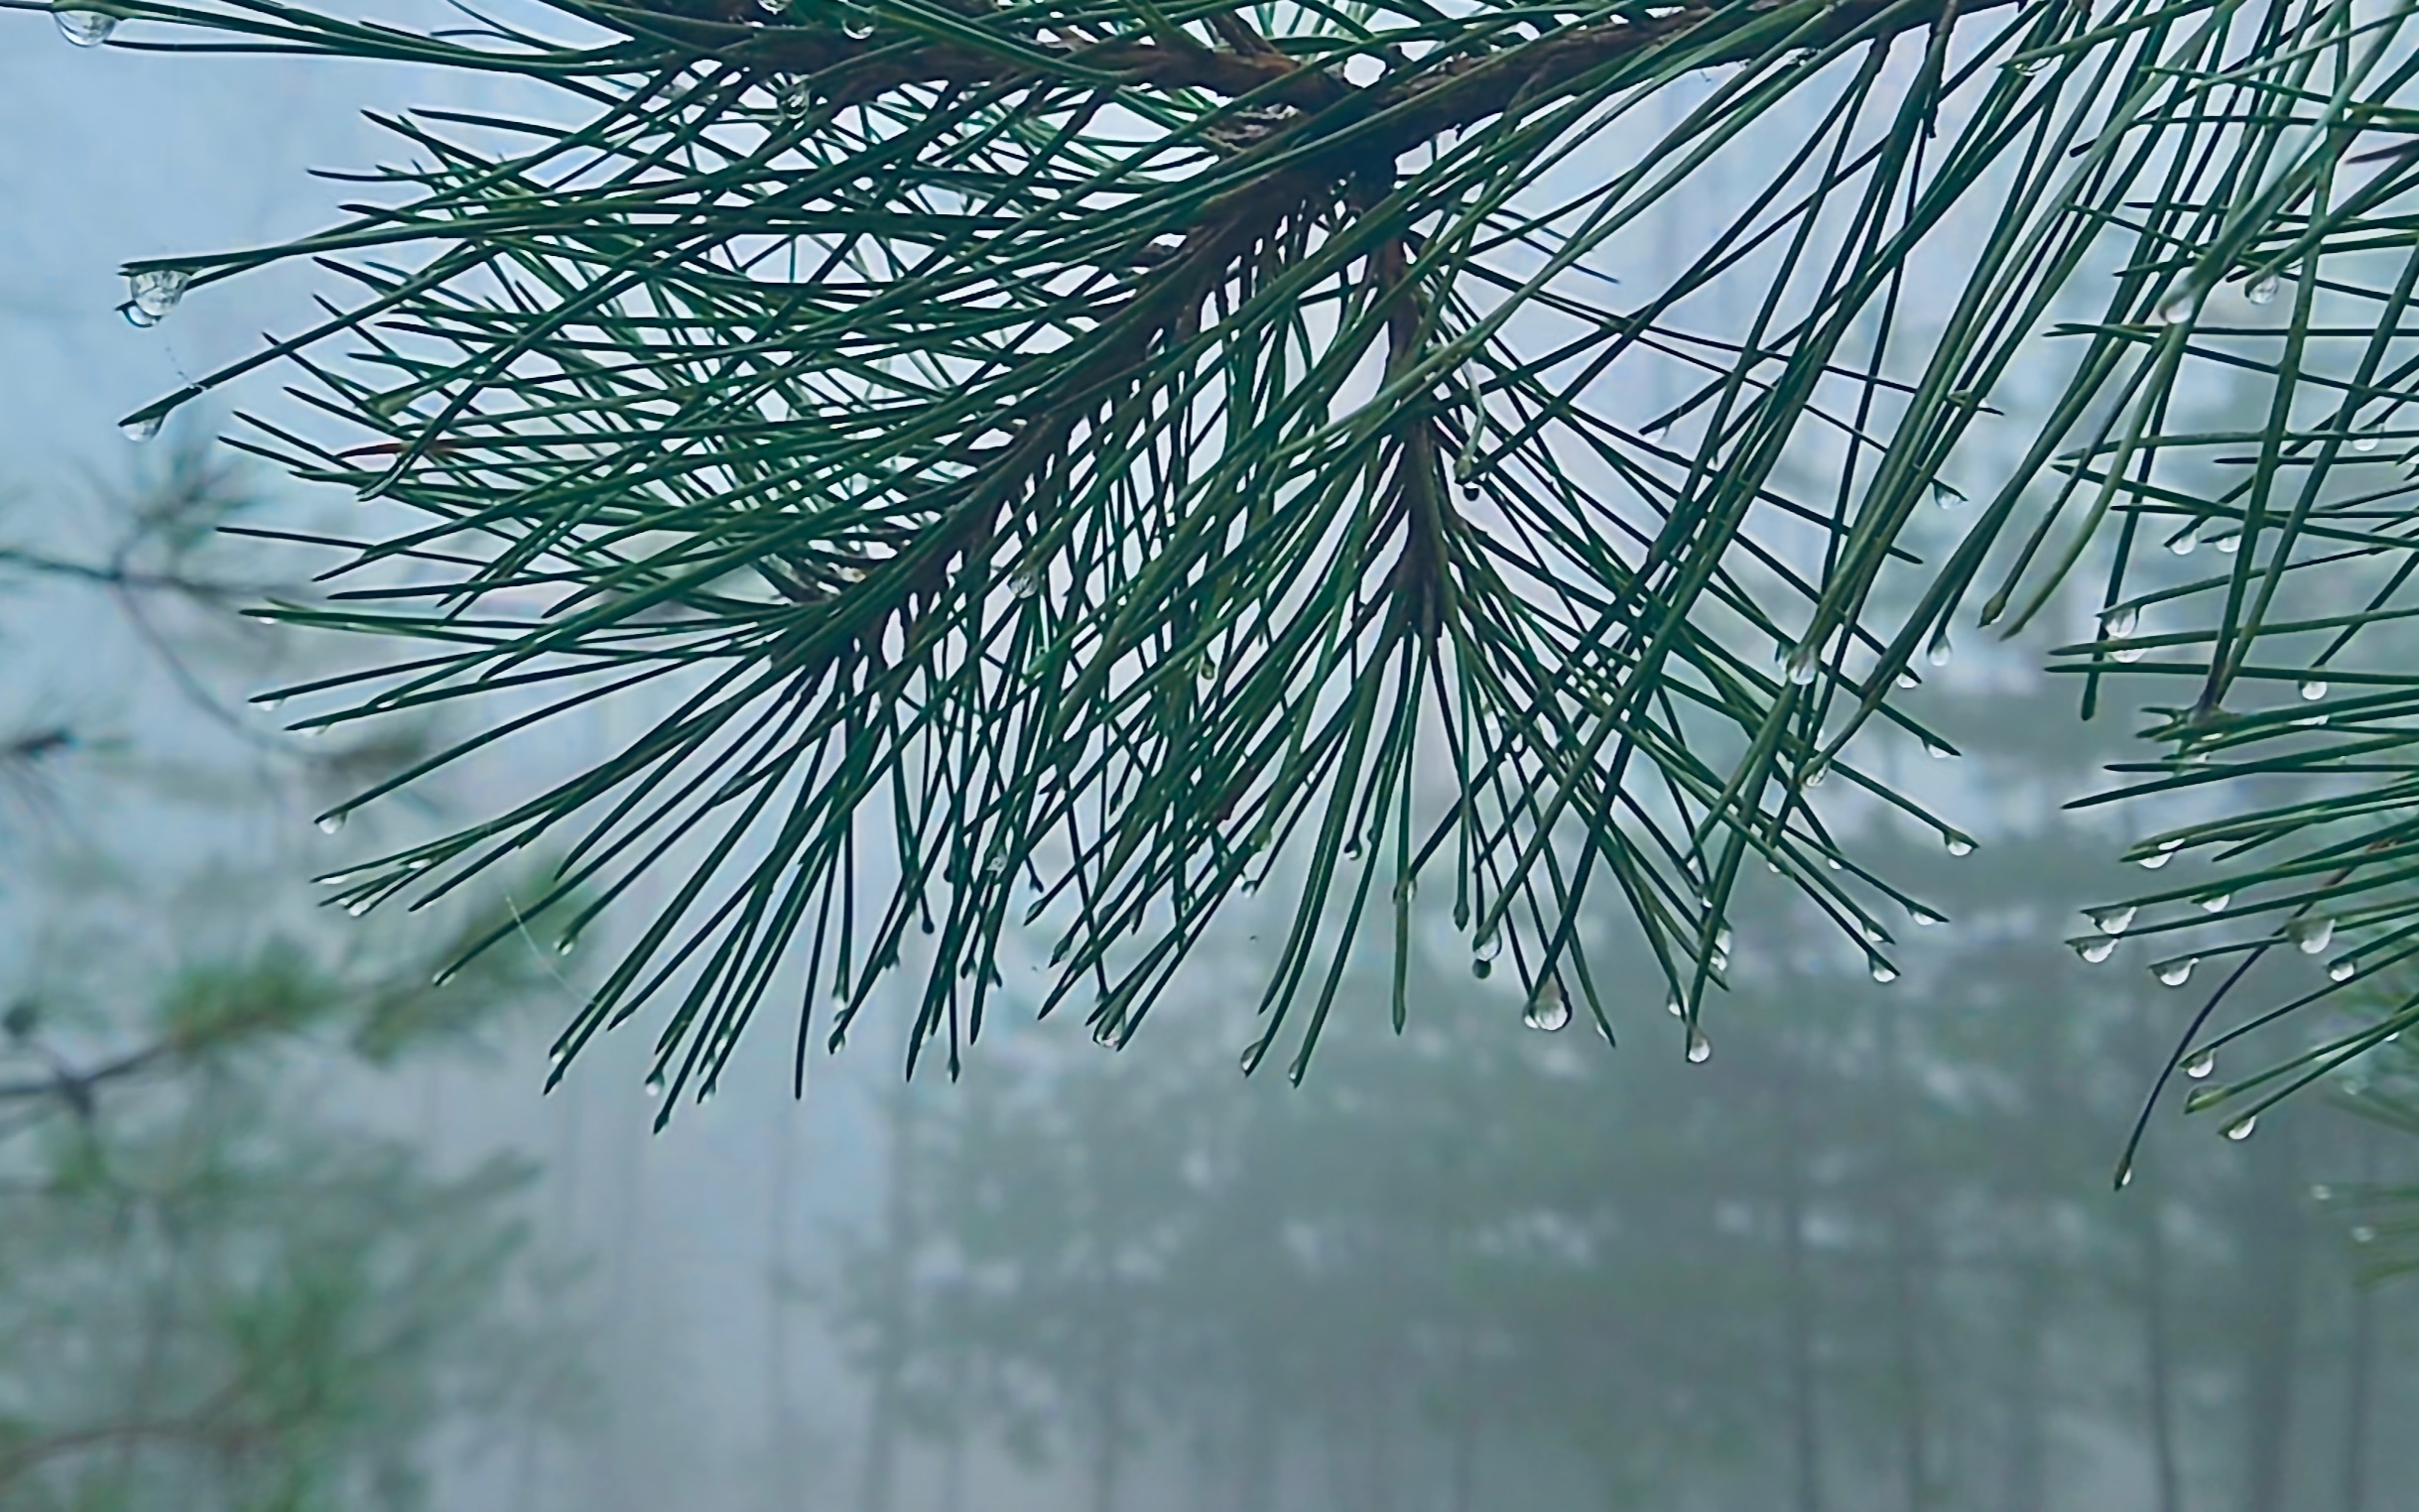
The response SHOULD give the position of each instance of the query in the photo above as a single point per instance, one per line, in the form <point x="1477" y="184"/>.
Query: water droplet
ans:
<point x="357" y="907"/>
<point x="1936" y="750"/>
<point x="85" y="28"/>
<point x="1909" y="679"/>
<point x="2201" y="1066"/>
<point x="2321" y="1193"/>
<point x="1481" y="969"/>
<point x="2262" y="290"/>
<point x="2361" y="1233"/>
<point x="2204" y="1097"/>
<point x="1548" y="1010"/>
<point x="330" y="823"/>
<point x="2175" y="974"/>
<point x="1939" y="652"/>
<point x="2240" y="1129"/>
<point x="1884" y="972"/>
<point x="2174" y="309"/>
<point x="2229" y="544"/>
<point x="1924" y="917"/>
<point x="1872" y="933"/>
<point x="1947" y="496"/>
<point x="2311" y="689"/>
<point x="2112" y="921"/>
<point x="2116" y="624"/>
<point x="156" y="290"/>
<point x="1672" y="1006"/>
<point x="2343" y="969"/>
<point x="2367" y="441"/>
<point x="857" y="23"/>
<point x="1959" y="845"/>
<point x="2161" y="856"/>
<point x="2215" y="903"/>
<point x="655" y="1084"/>
<point x="142" y="429"/>
<point x="1701" y="1050"/>
<point x="1721" y="940"/>
<point x="1717" y="963"/>
<point x="2125" y="1175"/>
<point x="2028" y="67"/>
<point x="1815" y="775"/>
<point x="2183" y="545"/>
<point x="2094" y="951"/>
<point x="137" y="317"/>
<point x="567" y="945"/>
<point x="1804" y="663"/>
<point x="1026" y="580"/>
<point x="1488" y="944"/>
<point x="706" y="1094"/>
<point x="2310" y="935"/>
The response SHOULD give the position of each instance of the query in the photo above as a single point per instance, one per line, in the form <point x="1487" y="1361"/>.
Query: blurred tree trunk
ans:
<point x="2272" y="1276"/>
<point x="878" y="1485"/>
<point x="1798" y="1301"/>
<point x="1905" y="1262"/>
<point x="2361" y="1360"/>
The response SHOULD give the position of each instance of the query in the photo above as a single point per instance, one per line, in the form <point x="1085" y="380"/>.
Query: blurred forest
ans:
<point x="271" y="1239"/>
<point x="1865" y="1255"/>
<point x="219" y="1286"/>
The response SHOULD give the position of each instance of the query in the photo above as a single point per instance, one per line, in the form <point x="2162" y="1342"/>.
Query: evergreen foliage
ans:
<point x="1121" y="447"/>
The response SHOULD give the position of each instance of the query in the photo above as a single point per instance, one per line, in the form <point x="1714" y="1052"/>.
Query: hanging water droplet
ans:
<point x="1924" y="917"/>
<point x="2112" y="920"/>
<point x="706" y="1094"/>
<point x="2215" y="903"/>
<point x="1548" y="1010"/>
<point x="1936" y="750"/>
<point x="2161" y="856"/>
<point x="357" y="907"/>
<point x="2311" y="689"/>
<point x="1672" y="1006"/>
<point x="83" y="28"/>
<point x="2262" y="290"/>
<point x="2116" y="624"/>
<point x="1026" y="580"/>
<point x="330" y="823"/>
<point x="1947" y="496"/>
<point x="1815" y="775"/>
<point x="2310" y="933"/>
<point x="156" y="290"/>
<point x="1481" y="969"/>
<point x="655" y="1084"/>
<point x="2229" y="544"/>
<point x="2125" y="1175"/>
<point x="2028" y="67"/>
<point x="1939" y="652"/>
<point x="567" y="945"/>
<point x="2204" y="1098"/>
<point x="1959" y="845"/>
<point x="2174" y="309"/>
<point x="1717" y="963"/>
<point x="1803" y="663"/>
<point x="2201" y="1066"/>
<point x="857" y="23"/>
<point x="2343" y="969"/>
<point x="2183" y="545"/>
<point x="1909" y="679"/>
<point x="1488" y="944"/>
<point x="2175" y="974"/>
<point x="2367" y="441"/>
<point x="1884" y="972"/>
<point x="2094" y="950"/>
<point x="137" y="317"/>
<point x="143" y="428"/>
<point x="1701" y="1050"/>
<point x="2240" y="1129"/>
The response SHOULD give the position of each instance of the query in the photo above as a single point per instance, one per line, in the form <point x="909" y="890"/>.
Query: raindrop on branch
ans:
<point x="2161" y="856"/>
<point x="1947" y="496"/>
<point x="2310" y="935"/>
<point x="86" y="28"/>
<point x="2175" y="974"/>
<point x="1701" y="1050"/>
<point x="1548" y="1009"/>
<point x="2240" y="1129"/>
<point x="330" y="823"/>
<point x="156" y="291"/>
<point x="1959" y="845"/>
<point x="2343" y="969"/>
<point x="1939" y="652"/>
<point x="143" y="428"/>
<point x="2201" y="1066"/>
<point x="2262" y="290"/>
<point x="1884" y="972"/>
<point x="655" y="1084"/>
<point x="2116" y="624"/>
<point x="2215" y="903"/>
<point x="2311" y="689"/>
<point x="2094" y="950"/>
<point x="2112" y="921"/>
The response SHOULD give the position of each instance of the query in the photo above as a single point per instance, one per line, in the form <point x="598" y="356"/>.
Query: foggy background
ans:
<point x="1864" y="1257"/>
